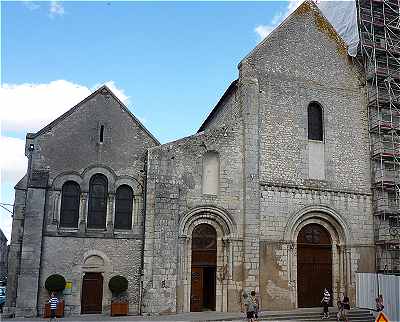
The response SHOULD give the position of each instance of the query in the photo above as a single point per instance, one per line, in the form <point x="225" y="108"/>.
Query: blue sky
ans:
<point x="169" y="62"/>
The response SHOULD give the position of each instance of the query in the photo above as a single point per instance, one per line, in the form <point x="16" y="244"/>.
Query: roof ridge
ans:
<point x="302" y="8"/>
<point x="63" y="116"/>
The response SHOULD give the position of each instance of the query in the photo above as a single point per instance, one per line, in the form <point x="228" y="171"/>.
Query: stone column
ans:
<point x="83" y="210"/>
<point x="110" y="213"/>
<point x="31" y="253"/>
<point x="249" y="91"/>
<point x="54" y="221"/>
<point x="14" y="254"/>
<point x="182" y="280"/>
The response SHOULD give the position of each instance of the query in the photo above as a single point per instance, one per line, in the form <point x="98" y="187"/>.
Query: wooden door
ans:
<point x="314" y="265"/>
<point x="204" y="262"/>
<point x="196" y="296"/>
<point x="209" y="288"/>
<point x="92" y="293"/>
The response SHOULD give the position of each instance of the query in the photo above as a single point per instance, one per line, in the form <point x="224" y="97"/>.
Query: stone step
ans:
<point x="368" y="318"/>
<point x="307" y="315"/>
<point x="355" y="315"/>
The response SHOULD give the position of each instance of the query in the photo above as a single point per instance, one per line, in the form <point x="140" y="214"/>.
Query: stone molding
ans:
<point x="325" y="216"/>
<point x="218" y="215"/>
<point x="271" y="186"/>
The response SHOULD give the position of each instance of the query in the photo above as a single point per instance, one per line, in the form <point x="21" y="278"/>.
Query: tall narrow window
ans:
<point x="315" y="122"/>
<point x="70" y="195"/>
<point x="211" y="173"/>
<point x="97" y="202"/>
<point x="101" y="134"/>
<point x="123" y="208"/>
<point x="316" y="146"/>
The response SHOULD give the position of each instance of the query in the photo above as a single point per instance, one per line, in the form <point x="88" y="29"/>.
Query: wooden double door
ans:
<point x="314" y="265"/>
<point x="92" y="293"/>
<point x="204" y="263"/>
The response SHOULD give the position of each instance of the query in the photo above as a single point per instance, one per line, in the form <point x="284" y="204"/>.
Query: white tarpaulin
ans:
<point x="389" y="286"/>
<point x="343" y="17"/>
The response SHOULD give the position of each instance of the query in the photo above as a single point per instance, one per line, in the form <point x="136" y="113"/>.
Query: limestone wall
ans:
<point x="299" y="63"/>
<point x="99" y="135"/>
<point x="174" y="188"/>
<point x="72" y="257"/>
<point x="349" y="218"/>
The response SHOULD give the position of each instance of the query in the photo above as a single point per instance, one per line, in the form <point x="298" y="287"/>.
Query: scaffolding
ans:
<point x="379" y="30"/>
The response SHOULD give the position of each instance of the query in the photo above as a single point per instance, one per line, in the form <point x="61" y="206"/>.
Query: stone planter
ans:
<point x="118" y="308"/>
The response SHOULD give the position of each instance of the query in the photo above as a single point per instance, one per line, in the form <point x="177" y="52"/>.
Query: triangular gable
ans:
<point x="102" y="89"/>
<point x="321" y="22"/>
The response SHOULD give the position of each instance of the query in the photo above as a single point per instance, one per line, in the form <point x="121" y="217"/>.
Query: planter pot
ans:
<point x="59" y="311"/>
<point x="119" y="309"/>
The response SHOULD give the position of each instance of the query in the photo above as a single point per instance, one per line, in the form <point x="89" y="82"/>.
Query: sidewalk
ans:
<point x="191" y="316"/>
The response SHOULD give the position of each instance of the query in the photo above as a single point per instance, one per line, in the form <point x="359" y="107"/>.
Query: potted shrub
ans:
<point x="55" y="283"/>
<point x="119" y="302"/>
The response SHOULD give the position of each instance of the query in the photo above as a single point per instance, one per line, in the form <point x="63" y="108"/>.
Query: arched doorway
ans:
<point x="92" y="293"/>
<point x="204" y="263"/>
<point x="314" y="264"/>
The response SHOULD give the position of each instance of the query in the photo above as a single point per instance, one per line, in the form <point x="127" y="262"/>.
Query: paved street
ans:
<point x="194" y="316"/>
<point x="293" y="315"/>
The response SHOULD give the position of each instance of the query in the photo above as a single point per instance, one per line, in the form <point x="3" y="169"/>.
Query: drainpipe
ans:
<point x="143" y="233"/>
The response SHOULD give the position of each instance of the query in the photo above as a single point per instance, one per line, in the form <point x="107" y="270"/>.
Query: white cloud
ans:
<point x="56" y="9"/>
<point x="29" y="107"/>
<point x="31" y="5"/>
<point x="13" y="165"/>
<point x="264" y="30"/>
<point x="13" y="162"/>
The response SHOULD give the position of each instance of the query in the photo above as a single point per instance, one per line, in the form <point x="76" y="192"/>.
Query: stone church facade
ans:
<point x="274" y="188"/>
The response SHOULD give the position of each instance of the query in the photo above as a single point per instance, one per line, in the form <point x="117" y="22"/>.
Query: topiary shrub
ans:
<point x="55" y="283"/>
<point x="118" y="284"/>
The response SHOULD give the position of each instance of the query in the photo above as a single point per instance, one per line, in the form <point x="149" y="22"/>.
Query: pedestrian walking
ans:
<point x="255" y="303"/>
<point x="53" y="300"/>
<point x="250" y="307"/>
<point x="325" y="302"/>
<point x="379" y="303"/>
<point x="339" y="314"/>
<point x="346" y="308"/>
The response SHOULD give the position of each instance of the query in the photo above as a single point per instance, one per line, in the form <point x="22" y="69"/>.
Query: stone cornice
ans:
<point x="309" y="189"/>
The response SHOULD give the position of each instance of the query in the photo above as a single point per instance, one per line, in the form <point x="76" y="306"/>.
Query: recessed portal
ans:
<point x="204" y="263"/>
<point x="314" y="265"/>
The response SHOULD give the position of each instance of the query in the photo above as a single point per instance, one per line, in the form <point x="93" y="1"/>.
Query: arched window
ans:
<point x="70" y="195"/>
<point x="97" y="202"/>
<point x="123" y="207"/>
<point x="315" y="122"/>
<point x="211" y="173"/>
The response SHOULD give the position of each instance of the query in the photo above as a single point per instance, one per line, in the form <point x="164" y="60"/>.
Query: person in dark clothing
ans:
<point x="255" y="303"/>
<point x="346" y="308"/>
<point x="379" y="303"/>
<point x="325" y="302"/>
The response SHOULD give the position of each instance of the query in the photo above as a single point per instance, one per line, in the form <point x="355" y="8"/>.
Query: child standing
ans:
<point x="53" y="300"/>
